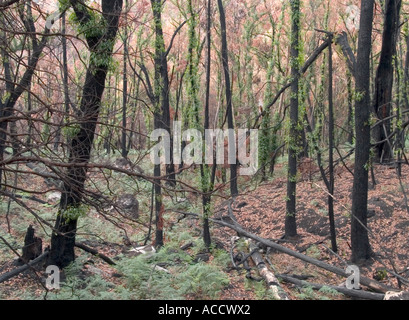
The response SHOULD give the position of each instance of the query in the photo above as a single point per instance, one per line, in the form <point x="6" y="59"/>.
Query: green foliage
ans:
<point x="314" y="252"/>
<point x="101" y="56"/>
<point x="74" y="212"/>
<point x="203" y="280"/>
<point x="260" y="289"/>
<point x="328" y="291"/>
<point x="80" y="286"/>
<point x="5" y="97"/>
<point x="325" y="293"/>
<point x="70" y="131"/>
<point x="146" y="280"/>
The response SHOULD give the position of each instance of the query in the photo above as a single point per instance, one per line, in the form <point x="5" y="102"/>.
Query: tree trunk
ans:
<point x="124" y="150"/>
<point x="384" y="81"/>
<point x="63" y="241"/>
<point x="331" y="129"/>
<point x="229" y="110"/>
<point x="162" y="84"/>
<point x="268" y="276"/>
<point x="290" y="220"/>
<point x="359" y="235"/>
<point x="207" y="179"/>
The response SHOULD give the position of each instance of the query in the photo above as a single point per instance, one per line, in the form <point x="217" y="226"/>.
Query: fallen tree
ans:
<point x="234" y="225"/>
<point x="8" y="275"/>
<point x="15" y="272"/>
<point x="372" y="284"/>
<point x="361" y="294"/>
<point x="268" y="276"/>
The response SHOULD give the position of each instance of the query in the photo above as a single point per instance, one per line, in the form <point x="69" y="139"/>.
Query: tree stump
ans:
<point x="33" y="246"/>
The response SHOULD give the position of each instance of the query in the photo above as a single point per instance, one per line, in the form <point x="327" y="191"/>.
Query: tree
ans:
<point x="229" y="109"/>
<point x="124" y="150"/>
<point x="290" y="220"/>
<point x="207" y="178"/>
<point x="161" y="83"/>
<point x="359" y="233"/>
<point x="100" y="32"/>
<point x="384" y="81"/>
<point x="15" y="90"/>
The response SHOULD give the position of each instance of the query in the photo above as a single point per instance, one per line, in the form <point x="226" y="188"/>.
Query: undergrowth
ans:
<point x="169" y="274"/>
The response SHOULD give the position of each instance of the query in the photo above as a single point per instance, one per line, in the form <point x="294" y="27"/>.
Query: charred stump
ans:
<point x="33" y="246"/>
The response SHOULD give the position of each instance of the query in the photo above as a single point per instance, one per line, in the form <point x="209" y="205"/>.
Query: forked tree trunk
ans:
<point x="63" y="237"/>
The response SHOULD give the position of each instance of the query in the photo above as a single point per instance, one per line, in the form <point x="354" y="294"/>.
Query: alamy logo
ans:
<point x="225" y="145"/>
<point x="53" y="280"/>
<point x="352" y="281"/>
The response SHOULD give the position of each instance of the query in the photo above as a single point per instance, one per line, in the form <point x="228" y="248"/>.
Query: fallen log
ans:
<point x="95" y="253"/>
<point x="360" y="294"/>
<point x="268" y="276"/>
<point x="8" y="275"/>
<point x="372" y="284"/>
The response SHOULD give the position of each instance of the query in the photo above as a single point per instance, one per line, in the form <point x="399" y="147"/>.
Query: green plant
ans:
<point x="202" y="280"/>
<point x="260" y="289"/>
<point x="171" y="274"/>
<point x="313" y="252"/>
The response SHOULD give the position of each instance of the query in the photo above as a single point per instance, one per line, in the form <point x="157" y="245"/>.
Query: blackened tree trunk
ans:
<point x="350" y="118"/>
<point x="359" y="234"/>
<point x="229" y="109"/>
<point x="207" y="178"/>
<point x="161" y="94"/>
<point x="100" y="46"/>
<point x="161" y="109"/>
<point x="64" y="80"/>
<point x="124" y="150"/>
<point x="290" y="220"/>
<point x="331" y="130"/>
<point x="384" y="81"/>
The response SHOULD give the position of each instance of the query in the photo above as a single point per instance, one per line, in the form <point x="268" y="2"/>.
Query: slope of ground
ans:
<point x="261" y="210"/>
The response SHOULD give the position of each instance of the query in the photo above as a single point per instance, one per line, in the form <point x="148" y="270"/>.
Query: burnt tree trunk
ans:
<point x="290" y="219"/>
<point x="229" y="109"/>
<point x="63" y="238"/>
<point x="206" y="197"/>
<point x="161" y="94"/>
<point x="384" y="81"/>
<point x="359" y="234"/>
<point x="33" y="246"/>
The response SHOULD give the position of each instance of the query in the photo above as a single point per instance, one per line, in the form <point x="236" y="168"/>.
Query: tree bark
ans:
<point x="384" y="81"/>
<point x="290" y="219"/>
<point x="359" y="235"/>
<point x="229" y="105"/>
<point x="124" y="150"/>
<point x="269" y="277"/>
<point x="209" y="182"/>
<point x="161" y="90"/>
<point x="331" y="130"/>
<point x="63" y="241"/>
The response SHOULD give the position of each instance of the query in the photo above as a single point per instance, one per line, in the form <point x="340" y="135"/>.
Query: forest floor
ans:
<point x="261" y="210"/>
